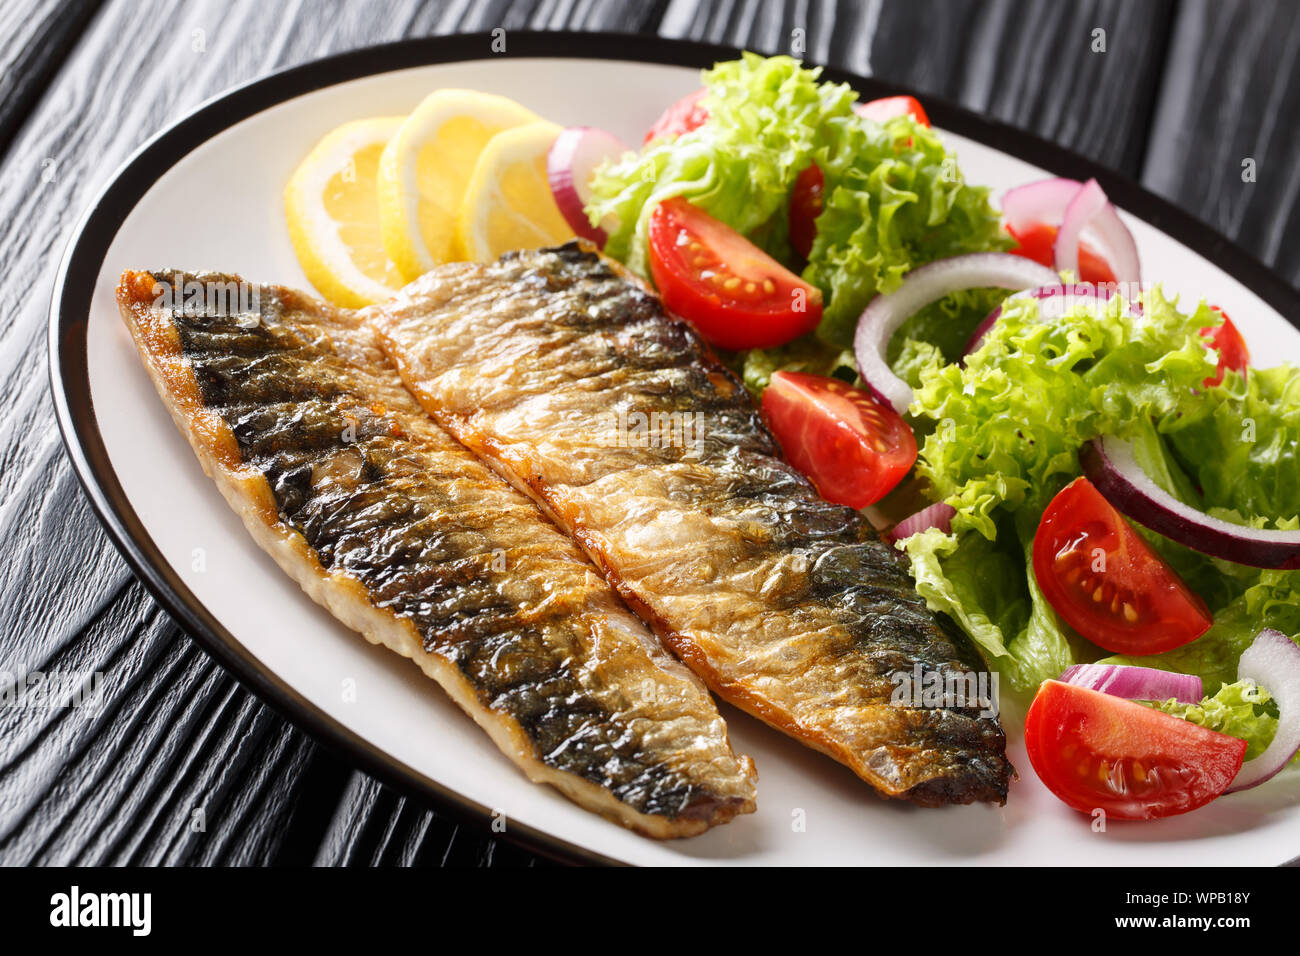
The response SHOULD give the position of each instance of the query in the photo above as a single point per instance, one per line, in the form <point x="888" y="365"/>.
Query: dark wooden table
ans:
<point x="1183" y="94"/>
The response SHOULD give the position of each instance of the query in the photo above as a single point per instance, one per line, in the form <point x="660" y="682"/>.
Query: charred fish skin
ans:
<point x="555" y="366"/>
<point x="405" y="536"/>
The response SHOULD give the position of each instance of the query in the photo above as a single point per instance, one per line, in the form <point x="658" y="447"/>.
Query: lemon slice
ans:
<point x="332" y="209"/>
<point x="426" y="167"/>
<point x="508" y="203"/>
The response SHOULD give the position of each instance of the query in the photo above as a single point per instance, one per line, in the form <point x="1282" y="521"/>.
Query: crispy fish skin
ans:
<point x="406" y="537"/>
<point x="788" y="606"/>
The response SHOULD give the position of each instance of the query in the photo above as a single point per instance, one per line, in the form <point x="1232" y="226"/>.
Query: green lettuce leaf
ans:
<point x="1002" y="436"/>
<point x="1241" y="709"/>
<point x="1244" y="449"/>
<point x="1213" y="656"/>
<point x="769" y="118"/>
<point x="893" y="196"/>
<point x="802" y="355"/>
<point x="894" y="199"/>
<point x="946" y="325"/>
<point x="986" y="586"/>
<point x="1010" y="422"/>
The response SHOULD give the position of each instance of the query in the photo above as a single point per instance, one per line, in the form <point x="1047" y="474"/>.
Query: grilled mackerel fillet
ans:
<point x="404" y="536"/>
<point x="788" y="606"/>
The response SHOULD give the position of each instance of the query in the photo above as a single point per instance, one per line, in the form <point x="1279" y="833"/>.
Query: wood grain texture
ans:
<point x="1231" y="94"/>
<point x="375" y="826"/>
<point x="34" y="41"/>
<point x="1030" y="64"/>
<point x="176" y="734"/>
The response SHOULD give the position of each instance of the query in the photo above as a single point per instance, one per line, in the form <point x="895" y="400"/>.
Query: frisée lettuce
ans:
<point x="893" y="197"/>
<point x="1006" y="430"/>
<point x="1242" y="709"/>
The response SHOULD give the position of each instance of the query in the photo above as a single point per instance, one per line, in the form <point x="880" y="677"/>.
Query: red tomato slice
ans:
<point x="1227" y="341"/>
<point x="805" y="207"/>
<point x="888" y="107"/>
<point x="682" y="117"/>
<point x="1036" y="243"/>
<point x="737" y="295"/>
<point x="1096" y="751"/>
<point x="1105" y="580"/>
<point x="853" y="448"/>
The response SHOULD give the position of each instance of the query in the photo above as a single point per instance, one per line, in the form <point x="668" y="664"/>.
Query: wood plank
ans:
<point x="1030" y="64"/>
<point x="162" y="773"/>
<point x="1231" y="93"/>
<point x="375" y="826"/>
<point x="35" y="38"/>
<point x="178" y="734"/>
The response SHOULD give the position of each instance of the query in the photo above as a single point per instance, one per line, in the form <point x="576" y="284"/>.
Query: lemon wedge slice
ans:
<point x="426" y="167"/>
<point x="332" y="208"/>
<point x="508" y="203"/>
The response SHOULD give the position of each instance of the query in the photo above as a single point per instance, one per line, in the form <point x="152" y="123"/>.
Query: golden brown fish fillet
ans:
<point x="405" y="536"/>
<point x="569" y="377"/>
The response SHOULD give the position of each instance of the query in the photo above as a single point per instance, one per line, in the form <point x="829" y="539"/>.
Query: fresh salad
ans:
<point x="1086" y="474"/>
<point x="1089" y="476"/>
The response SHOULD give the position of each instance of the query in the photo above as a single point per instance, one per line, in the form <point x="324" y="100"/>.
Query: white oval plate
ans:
<point x="206" y="194"/>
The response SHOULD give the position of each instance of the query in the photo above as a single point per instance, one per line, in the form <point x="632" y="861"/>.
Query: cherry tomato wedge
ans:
<point x="1096" y="751"/>
<point x="805" y="207"/>
<point x="1036" y="243"/>
<point x="682" y="117"/>
<point x="1227" y="341"/>
<point x="888" y="107"/>
<point x="853" y="448"/>
<point x="737" y="295"/>
<point x="1104" y="579"/>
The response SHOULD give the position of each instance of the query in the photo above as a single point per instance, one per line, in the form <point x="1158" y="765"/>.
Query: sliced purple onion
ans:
<point x="1091" y="209"/>
<point x="571" y="160"/>
<point x="1038" y="203"/>
<point x="1049" y="201"/>
<point x="937" y="515"/>
<point x="981" y="330"/>
<point x="929" y="283"/>
<point x="1111" y="465"/>
<point x="1087" y="203"/>
<point x="1135" y="683"/>
<point x="1273" y="661"/>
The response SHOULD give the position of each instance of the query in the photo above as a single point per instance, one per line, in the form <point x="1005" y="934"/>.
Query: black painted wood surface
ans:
<point x="181" y="765"/>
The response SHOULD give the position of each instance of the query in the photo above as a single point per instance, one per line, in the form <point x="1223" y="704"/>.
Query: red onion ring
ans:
<point x="929" y="283"/>
<point x="1074" y="208"/>
<point x="571" y="160"/>
<point x="1135" y="683"/>
<point x="1112" y="467"/>
<point x="1273" y="660"/>
<point x="1038" y="203"/>
<point x="938" y="515"/>
<point x="1091" y="209"/>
